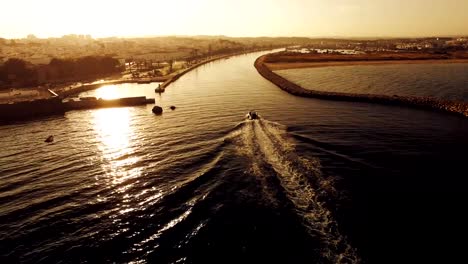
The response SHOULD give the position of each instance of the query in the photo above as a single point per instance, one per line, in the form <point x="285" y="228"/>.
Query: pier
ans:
<point x="55" y="105"/>
<point x="92" y="103"/>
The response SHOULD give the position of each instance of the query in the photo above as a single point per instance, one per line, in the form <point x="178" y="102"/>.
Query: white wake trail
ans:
<point x="302" y="181"/>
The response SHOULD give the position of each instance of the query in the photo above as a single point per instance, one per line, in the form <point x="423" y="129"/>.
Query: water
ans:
<point x="444" y="81"/>
<point x="311" y="182"/>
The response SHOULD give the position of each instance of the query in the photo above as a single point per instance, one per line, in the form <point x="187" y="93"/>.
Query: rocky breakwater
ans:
<point x="452" y="107"/>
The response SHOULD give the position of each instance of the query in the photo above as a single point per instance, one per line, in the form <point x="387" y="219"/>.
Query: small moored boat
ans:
<point x="159" y="89"/>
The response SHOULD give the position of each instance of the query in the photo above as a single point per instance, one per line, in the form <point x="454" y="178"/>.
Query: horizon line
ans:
<point x="252" y="37"/>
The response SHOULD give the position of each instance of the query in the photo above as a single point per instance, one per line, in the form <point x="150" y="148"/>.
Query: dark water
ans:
<point x="445" y="81"/>
<point x="311" y="182"/>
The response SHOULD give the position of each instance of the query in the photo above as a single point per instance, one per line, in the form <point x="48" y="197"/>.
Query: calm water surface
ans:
<point x="446" y="81"/>
<point x="311" y="182"/>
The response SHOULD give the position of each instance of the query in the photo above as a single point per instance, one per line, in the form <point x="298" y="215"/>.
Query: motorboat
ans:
<point x="251" y="115"/>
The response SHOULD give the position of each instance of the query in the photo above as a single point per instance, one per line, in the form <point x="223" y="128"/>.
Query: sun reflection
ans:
<point x="113" y="128"/>
<point x="114" y="132"/>
<point x="108" y="92"/>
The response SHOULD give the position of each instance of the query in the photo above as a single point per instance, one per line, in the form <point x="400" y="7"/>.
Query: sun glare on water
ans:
<point x="108" y="92"/>
<point x="113" y="132"/>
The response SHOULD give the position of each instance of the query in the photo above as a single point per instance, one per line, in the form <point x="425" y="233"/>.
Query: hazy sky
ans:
<point x="100" y="18"/>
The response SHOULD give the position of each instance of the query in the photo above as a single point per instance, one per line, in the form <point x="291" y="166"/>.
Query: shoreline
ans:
<point x="164" y="80"/>
<point x="299" y="65"/>
<point x="74" y="90"/>
<point x="34" y="107"/>
<point x="429" y="103"/>
<point x="180" y="74"/>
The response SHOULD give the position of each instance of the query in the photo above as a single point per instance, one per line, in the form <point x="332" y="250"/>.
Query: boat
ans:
<point x="88" y="98"/>
<point x="251" y="115"/>
<point x="49" y="139"/>
<point x="159" y="89"/>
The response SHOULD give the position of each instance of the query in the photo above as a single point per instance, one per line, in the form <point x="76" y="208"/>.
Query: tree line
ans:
<point x="19" y="73"/>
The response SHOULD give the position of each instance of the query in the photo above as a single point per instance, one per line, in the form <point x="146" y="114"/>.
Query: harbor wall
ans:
<point x="453" y="107"/>
<point x="44" y="107"/>
<point x="31" y="109"/>
<point x="100" y="103"/>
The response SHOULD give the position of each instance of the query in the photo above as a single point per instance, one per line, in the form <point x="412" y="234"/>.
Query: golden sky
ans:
<point x="313" y="18"/>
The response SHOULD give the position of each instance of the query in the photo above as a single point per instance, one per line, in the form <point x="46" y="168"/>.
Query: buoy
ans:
<point x="49" y="139"/>
<point x="157" y="110"/>
<point x="172" y="107"/>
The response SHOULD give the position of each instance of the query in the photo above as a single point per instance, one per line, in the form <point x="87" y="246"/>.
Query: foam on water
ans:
<point x="271" y="153"/>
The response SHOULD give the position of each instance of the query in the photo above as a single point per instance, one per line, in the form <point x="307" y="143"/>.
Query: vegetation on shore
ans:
<point x="19" y="73"/>
<point x="64" y="61"/>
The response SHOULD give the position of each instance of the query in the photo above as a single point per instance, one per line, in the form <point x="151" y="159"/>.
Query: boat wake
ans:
<point x="271" y="153"/>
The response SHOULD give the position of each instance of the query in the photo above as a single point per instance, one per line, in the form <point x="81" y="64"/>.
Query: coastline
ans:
<point x="32" y="107"/>
<point x="165" y="80"/>
<point x="300" y="65"/>
<point x="184" y="71"/>
<point x="429" y="103"/>
<point x="73" y="90"/>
